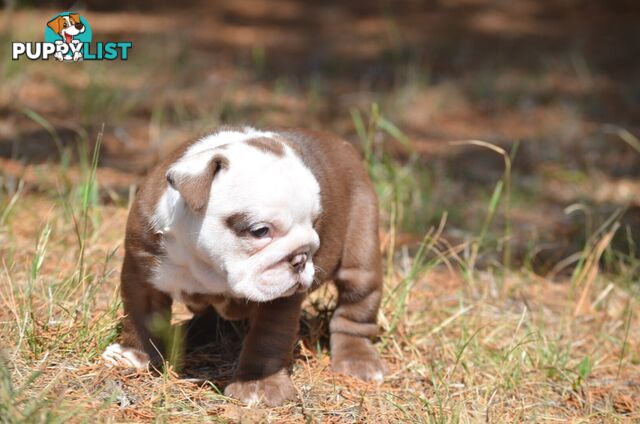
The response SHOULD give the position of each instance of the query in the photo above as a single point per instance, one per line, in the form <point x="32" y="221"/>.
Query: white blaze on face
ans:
<point x="257" y="189"/>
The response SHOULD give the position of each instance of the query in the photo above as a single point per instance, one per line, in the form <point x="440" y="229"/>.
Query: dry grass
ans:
<point x="502" y="346"/>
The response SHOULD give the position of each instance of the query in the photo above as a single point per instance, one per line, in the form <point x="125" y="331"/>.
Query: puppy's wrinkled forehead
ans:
<point x="259" y="174"/>
<point x="267" y="179"/>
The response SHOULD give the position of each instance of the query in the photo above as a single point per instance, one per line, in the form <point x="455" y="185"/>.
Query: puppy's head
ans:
<point x="67" y="26"/>
<point x="250" y="208"/>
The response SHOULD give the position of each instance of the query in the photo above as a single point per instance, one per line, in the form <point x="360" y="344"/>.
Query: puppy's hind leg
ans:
<point x="359" y="282"/>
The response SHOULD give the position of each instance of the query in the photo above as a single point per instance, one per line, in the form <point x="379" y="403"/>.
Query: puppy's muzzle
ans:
<point x="298" y="261"/>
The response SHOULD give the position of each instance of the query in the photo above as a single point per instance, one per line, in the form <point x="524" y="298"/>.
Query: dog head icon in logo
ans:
<point x="68" y="28"/>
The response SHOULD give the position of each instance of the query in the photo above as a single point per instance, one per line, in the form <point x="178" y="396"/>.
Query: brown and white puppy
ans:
<point x="250" y="221"/>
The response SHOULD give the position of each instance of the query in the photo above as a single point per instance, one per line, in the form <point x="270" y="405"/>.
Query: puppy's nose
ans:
<point x="79" y="26"/>
<point x="298" y="261"/>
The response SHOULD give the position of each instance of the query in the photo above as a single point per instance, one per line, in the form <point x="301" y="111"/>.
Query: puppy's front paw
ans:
<point x="117" y="355"/>
<point x="356" y="356"/>
<point x="273" y="390"/>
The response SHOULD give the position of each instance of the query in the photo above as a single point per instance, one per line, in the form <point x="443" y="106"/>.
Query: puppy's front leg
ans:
<point x="262" y="374"/>
<point x="146" y="310"/>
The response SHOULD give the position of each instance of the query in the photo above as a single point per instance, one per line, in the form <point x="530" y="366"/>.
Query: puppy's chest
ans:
<point x="183" y="275"/>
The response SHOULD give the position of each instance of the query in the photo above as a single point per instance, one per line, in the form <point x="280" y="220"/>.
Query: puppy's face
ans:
<point x="257" y="222"/>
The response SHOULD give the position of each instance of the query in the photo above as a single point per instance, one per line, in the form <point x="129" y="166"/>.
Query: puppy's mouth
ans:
<point x="275" y="280"/>
<point x="296" y="288"/>
<point x="68" y="38"/>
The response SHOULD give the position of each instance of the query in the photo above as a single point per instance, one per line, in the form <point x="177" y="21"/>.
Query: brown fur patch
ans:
<point x="238" y="222"/>
<point x="267" y="145"/>
<point x="195" y="189"/>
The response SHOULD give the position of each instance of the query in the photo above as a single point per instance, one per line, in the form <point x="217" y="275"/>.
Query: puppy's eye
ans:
<point x="259" y="232"/>
<point x="65" y="25"/>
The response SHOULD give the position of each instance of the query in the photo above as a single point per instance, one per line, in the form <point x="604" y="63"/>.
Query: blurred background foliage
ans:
<point x="553" y="84"/>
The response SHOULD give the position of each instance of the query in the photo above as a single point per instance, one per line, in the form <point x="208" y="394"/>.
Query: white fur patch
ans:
<point x="117" y="355"/>
<point x="203" y="255"/>
<point x="378" y="377"/>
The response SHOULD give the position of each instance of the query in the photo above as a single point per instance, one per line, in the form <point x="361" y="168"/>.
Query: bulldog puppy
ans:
<point x="249" y="222"/>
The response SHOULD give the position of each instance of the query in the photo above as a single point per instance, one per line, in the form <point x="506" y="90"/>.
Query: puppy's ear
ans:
<point x="55" y="24"/>
<point x="75" y="17"/>
<point x="195" y="187"/>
